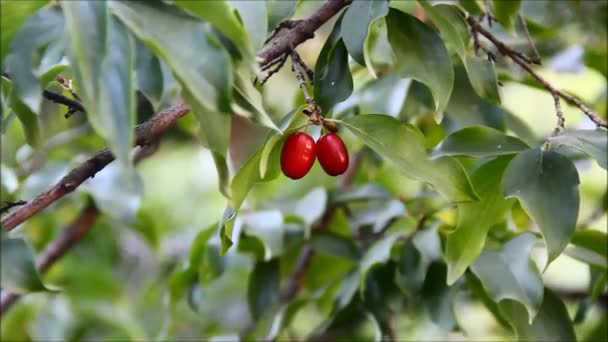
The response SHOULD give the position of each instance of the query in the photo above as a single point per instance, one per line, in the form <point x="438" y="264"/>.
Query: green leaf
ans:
<point x="267" y="226"/>
<point x="226" y="226"/>
<point x="403" y="145"/>
<point x="26" y="47"/>
<point x="552" y="323"/>
<point x="28" y="119"/>
<point x="592" y="142"/>
<point x="104" y="73"/>
<point x="19" y="273"/>
<point x="438" y="298"/>
<point x="335" y="244"/>
<point x="14" y="14"/>
<point x="593" y="240"/>
<point x="279" y="10"/>
<point x="476" y="288"/>
<point x="479" y="141"/>
<point x="546" y="185"/>
<point x="421" y="55"/>
<point x="451" y="25"/>
<point x="505" y="12"/>
<point x="284" y="317"/>
<point x="511" y="274"/>
<point x="149" y="74"/>
<point x="590" y="246"/>
<point x="203" y="69"/>
<point x="482" y="76"/>
<point x="254" y="18"/>
<point x="465" y="244"/>
<point x="455" y="31"/>
<point x="248" y="100"/>
<point x="214" y="130"/>
<point x="378" y="253"/>
<point x="356" y="22"/>
<point x="223" y="17"/>
<point x="467" y="108"/>
<point x="366" y="192"/>
<point x="333" y="81"/>
<point x="200" y="262"/>
<point x="263" y="291"/>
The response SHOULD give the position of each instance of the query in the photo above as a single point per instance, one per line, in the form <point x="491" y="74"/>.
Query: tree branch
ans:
<point x="299" y="31"/>
<point x="145" y="134"/>
<point x="74" y="105"/>
<point x="73" y="233"/>
<point x="524" y="62"/>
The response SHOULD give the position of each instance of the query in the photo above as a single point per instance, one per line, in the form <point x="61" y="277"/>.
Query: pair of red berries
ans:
<point x="300" y="152"/>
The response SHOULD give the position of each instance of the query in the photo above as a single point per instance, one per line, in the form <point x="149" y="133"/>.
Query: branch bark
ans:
<point x="145" y="134"/>
<point x="300" y="31"/>
<point x="524" y="63"/>
<point x="69" y="237"/>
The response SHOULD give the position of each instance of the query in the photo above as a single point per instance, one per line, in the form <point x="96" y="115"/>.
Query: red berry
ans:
<point x="332" y="154"/>
<point x="298" y="155"/>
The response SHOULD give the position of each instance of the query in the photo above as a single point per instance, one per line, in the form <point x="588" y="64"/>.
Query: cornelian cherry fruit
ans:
<point x="332" y="154"/>
<point x="298" y="155"/>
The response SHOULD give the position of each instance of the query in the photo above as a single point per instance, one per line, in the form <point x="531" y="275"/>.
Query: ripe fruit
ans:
<point x="332" y="154"/>
<point x="298" y="155"/>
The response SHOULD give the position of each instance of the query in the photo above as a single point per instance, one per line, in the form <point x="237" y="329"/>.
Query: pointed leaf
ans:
<point x="28" y="119"/>
<point x="378" y="253"/>
<point x="333" y="81"/>
<point x="19" y="273"/>
<point x="223" y="17"/>
<point x="421" y="55"/>
<point x="546" y="185"/>
<point x="455" y="31"/>
<point x="479" y="141"/>
<point x="451" y="25"/>
<point x="267" y="226"/>
<point x="104" y="74"/>
<point x="438" y="298"/>
<point x="510" y="274"/>
<point x="482" y="76"/>
<point x="204" y="68"/>
<point x="248" y="100"/>
<point x="149" y="74"/>
<point x="355" y="25"/>
<point x="552" y="323"/>
<point x="403" y="145"/>
<point x="592" y="142"/>
<point x="279" y="10"/>
<point x="506" y="11"/>
<point x="254" y="18"/>
<point x="40" y="29"/>
<point x="15" y="14"/>
<point x="465" y="244"/>
<point x="263" y="289"/>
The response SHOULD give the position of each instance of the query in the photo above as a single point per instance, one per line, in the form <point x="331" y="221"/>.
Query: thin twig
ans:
<point x="301" y="30"/>
<point x="298" y="60"/>
<point x="58" y="98"/>
<point x="525" y="62"/>
<point x="70" y="236"/>
<point x="536" y="59"/>
<point x="488" y="11"/>
<point x="145" y="134"/>
<point x="560" y="115"/>
<point x="276" y="66"/>
<point x="7" y="205"/>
